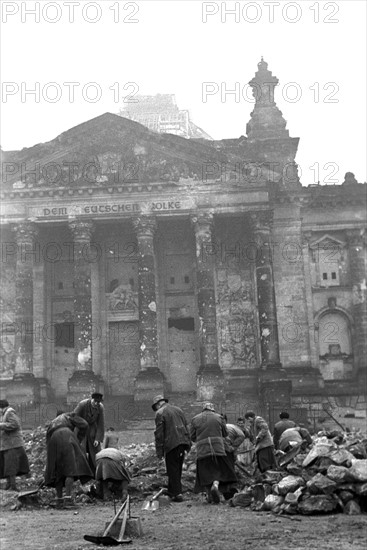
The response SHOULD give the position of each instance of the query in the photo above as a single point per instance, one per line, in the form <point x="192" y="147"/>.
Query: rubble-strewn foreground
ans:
<point x="330" y="476"/>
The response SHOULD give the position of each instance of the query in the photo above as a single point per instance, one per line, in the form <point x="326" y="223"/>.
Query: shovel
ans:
<point x="151" y="504"/>
<point x="31" y="492"/>
<point x="105" y="539"/>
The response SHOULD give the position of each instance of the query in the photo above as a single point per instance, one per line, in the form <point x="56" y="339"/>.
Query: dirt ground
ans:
<point x="191" y="525"/>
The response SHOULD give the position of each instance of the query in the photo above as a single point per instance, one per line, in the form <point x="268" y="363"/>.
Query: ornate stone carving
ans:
<point x="82" y="230"/>
<point x="25" y="232"/>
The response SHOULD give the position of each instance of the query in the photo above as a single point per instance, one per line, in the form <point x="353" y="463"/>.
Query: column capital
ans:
<point x="356" y="237"/>
<point x="145" y="226"/>
<point x="81" y="229"/>
<point x="25" y="231"/>
<point x="202" y="221"/>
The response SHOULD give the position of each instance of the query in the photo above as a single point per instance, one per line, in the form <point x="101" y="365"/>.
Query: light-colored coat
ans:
<point x="262" y="434"/>
<point x="10" y="430"/>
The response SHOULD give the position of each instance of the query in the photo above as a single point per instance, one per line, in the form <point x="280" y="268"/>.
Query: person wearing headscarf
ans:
<point x="13" y="458"/>
<point x="264" y="446"/>
<point x="214" y="469"/>
<point x="66" y="460"/>
<point x="92" y="411"/>
<point x="172" y="441"/>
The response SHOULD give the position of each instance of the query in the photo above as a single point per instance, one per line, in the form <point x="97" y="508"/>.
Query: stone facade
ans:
<point x="136" y="263"/>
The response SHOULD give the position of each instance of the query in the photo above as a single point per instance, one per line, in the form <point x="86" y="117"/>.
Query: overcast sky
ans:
<point x="316" y="49"/>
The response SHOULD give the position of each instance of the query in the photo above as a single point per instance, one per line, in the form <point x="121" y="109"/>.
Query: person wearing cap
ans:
<point x="214" y="469"/>
<point x="264" y="446"/>
<point x="172" y="440"/>
<point x="13" y="458"/>
<point x="92" y="411"/>
<point x="281" y="426"/>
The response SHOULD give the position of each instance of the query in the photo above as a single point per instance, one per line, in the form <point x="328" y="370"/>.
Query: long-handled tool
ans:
<point x="151" y="503"/>
<point x="105" y="539"/>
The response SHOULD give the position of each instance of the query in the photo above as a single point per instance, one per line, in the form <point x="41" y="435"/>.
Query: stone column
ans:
<point x="357" y="259"/>
<point x="210" y="377"/>
<point x="24" y="387"/>
<point x="275" y="387"/>
<point x="83" y="381"/>
<point x="149" y="381"/>
<point x="269" y="342"/>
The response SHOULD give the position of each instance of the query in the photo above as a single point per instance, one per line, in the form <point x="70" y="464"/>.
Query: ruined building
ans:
<point x="135" y="262"/>
<point x="161" y="114"/>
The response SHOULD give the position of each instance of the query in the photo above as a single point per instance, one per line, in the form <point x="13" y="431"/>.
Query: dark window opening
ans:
<point x="60" y="286"/>
<point x="113" y="285"/>
<point x="187" y="323"/>
<point x="131" y="282"/>
<point x="333" y="275"/>
<point x="187" y="279"/>
<point x="172" y="280"/>
<point x="64" y="335"/>
<point x="324" y="276"/>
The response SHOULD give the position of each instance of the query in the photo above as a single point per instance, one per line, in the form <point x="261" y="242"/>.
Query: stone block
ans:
<point x="148" y="383"/>
<point x="210" y="384"/>
<point x="82" y="384"/>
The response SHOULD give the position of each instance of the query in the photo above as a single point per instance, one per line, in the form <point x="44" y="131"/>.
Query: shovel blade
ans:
<point x="150" y="505"/>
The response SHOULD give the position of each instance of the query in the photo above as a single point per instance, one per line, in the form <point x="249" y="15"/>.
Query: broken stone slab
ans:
<point x="339" y="474"/>
<point x="273" y="476"/>
<point x="317" y="504"/>
<point x="294" y="470"/>
<point x="290" y="509"/>
<point x="292" y="498"/>
<point x="321" y="484"/>
<point x="358" y="470"/>
<point x="361" y="489"/>
<point x="242" y="499"/>
<point x="352" y="508"/>
<point x="272" y="501"/>
<point x="322" y="447"/>
<point x="289" y="484"/>
<point x="345" y="496"/>
<point x="342" y="457"/>
<point x="358" y="449"/>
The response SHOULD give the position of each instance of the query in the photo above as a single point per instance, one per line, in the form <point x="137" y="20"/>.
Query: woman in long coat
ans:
<point x="66" y="460"/>
<point x="214" y="470"/>
<point x="13" y="458"/>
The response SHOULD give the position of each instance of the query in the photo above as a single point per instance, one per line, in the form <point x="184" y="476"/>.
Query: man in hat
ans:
<point x="172" y="440"/>
<point x="214" y="469"/>
<point x="92" y="411"/>
<point x="13" y="458"/>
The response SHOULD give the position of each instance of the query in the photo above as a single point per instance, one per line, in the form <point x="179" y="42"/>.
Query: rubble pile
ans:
<point x="331" y="476"/>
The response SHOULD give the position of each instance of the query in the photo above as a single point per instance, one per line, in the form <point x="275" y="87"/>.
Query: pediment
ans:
<point x="327" y="242"/>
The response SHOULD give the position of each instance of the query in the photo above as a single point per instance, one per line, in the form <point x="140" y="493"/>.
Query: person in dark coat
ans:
<point x="214" y="469"/>
<point x="172" y="440"/>
<point x="66" y="460"/>
<point x="93" y="412"/>
<point x="264" y="446"/>
<point x="112" y="476"/>
<point x="281" y="426"/>
<point x="13" y="458"/>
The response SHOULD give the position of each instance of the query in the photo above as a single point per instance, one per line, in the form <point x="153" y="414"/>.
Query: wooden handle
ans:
<point x="114" y="520"/>
<point x="124" y="520"/>
<point x="157" y="494"/>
